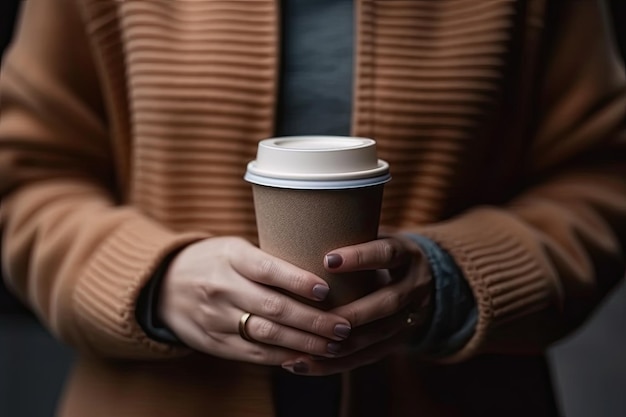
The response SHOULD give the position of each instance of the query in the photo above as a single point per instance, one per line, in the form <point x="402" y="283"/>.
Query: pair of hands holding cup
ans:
<point x="211" y="284"/>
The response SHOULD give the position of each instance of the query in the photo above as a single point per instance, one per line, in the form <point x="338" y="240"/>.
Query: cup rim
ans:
<point x="381" y="169"/>
<point x="316" y="184"/>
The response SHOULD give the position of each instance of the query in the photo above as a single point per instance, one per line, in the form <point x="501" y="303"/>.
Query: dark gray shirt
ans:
<point x="316" y="67"/>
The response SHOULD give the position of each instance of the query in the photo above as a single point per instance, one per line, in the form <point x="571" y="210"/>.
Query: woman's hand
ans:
<point x="210" y="285"/>
<point x="384" y="320"/>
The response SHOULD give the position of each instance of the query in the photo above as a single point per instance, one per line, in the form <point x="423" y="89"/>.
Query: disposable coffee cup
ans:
<point x="313" y="194"/>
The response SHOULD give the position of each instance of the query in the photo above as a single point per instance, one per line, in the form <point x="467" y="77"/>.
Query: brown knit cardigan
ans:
<point x="126" y="126"/>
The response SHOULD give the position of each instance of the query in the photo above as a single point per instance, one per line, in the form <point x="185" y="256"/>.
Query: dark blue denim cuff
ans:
<point x="454" y="311"/>
<point x="146" y="310"/>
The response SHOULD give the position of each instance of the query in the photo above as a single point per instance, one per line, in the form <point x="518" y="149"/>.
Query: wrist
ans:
<point x="149" y="311"/>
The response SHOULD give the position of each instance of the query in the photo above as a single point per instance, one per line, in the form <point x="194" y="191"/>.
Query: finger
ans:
<point x="307" y="366"/>
<point x="264" y="331"/>
<point x="265" y="269"/>
<point x="407" y="322"/>
<point x="378" y="254"/>
<point x="382" y="303"/>
<point x="232" y="346"/>
<point x="372" y="334"/>
<point x="282" y="309"/>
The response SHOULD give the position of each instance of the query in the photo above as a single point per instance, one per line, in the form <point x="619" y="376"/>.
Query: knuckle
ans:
<point x="353" y="316"/>
<point x="300" y="281"/>
<point x="388" y="250"/>
<point x="266" y="355"/>
<point x="274" y="307"/>
<point x="392" y="302"/>
<point x="230" y="247"/>
<point x="211" y="292"/>
<point x="319" y="324"/>
<point x="235" y="243"/>
<point x="266" y="268"/>
<point x="268" y="331"/>
<point x="310" y="344"/>
<point x="359" y="256"/>
<point x="259" y="355"/>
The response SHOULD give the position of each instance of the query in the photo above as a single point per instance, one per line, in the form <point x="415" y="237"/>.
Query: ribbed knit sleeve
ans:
<point x="72" y="251"/>
<point x="539" y="264"/>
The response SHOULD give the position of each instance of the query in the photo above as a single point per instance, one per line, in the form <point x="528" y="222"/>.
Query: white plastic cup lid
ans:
<point x="317" y="162"/>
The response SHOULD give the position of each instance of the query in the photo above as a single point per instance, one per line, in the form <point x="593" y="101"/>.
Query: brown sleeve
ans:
<point x="71" y="251"/>
<point x="540" y="265"/>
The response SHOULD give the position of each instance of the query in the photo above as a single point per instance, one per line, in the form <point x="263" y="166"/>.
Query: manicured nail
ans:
<point x="320" y="292"/>
<point x="334" y="260"/>
<point x="333" y="348"/>
<point x="342" y="331"/>
<point x="296" y="367"/>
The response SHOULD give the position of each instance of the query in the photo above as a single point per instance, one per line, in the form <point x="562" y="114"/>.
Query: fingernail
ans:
<point x="342" y="331"/>
<point x="334" y="260"/>
<point x="296" y="367"/>
<point x="320" y="292"/>
<point x="333" y="347"/>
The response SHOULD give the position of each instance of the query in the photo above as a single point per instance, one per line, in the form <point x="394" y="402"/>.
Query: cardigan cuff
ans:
<point x="455" y="313"/>
<point x="105" y="298"/>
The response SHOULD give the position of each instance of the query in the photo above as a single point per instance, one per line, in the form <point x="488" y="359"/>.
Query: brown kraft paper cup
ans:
<point x="302" y="226"/>
<point x="316" y="194"/>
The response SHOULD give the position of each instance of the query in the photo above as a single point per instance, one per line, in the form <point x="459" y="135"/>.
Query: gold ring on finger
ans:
<point x="243" y="321"/>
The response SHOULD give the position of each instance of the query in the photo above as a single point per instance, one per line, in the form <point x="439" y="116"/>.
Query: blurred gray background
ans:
<point x="589" y="368"/>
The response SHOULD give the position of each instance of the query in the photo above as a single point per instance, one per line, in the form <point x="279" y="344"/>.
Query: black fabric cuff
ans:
<point x="146" y="312"/>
